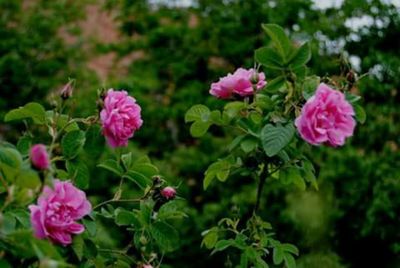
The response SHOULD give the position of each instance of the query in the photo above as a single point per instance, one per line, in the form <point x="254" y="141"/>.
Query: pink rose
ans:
<point x="242" y="82"/>
<point x="57" y="211"/>
<point x="120" y="118"/>
<point x="39" y="157"/>
<point x="168" y="192"/>
<point x="326" y="118"/>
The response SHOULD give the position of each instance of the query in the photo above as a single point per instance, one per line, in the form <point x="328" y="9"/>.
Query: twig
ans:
<point x="117" y="200"/>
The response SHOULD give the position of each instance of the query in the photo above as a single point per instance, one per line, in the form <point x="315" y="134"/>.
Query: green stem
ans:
<point x="263" y="177"/>
<point x="115" y="201"/>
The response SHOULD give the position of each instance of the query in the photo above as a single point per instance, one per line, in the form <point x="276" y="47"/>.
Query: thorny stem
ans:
<point x="263" y="177"/>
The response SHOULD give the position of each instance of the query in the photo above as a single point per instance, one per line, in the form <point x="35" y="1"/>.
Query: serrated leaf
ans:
<point x="290" y="248"/>
<point x="165" y="235"/>
<point x="210" y="238"/>
<point x="28" y="179"/>
<point x="141" y="180"/>
<point x="32" y="110"/>
<point x="79" y="173"/>
<point x="249" y="144"/>
<point x="222" y="245"/>
<point x="290" y="175"/>
<point x="197" y="112"/>
<point x="276" y="84"/>
<point x="289" y="261"/>
<point x="127" y="160"/>
<point x="279" y="39"/>
<point x="310" y="86"/>
<point x="351" y="98"/>
<point x="90" y="226"/>
<point x="24" y="144"/>
<point x="72" y="143"/>
<point x="199" y="128"/>
<point x="113" y="166"/>
<point x="269" y="58"/>
<point x="277" y="255"/>
<point x="77" y="246"/>
<point x="232" y="109"/>
<point x="124" y="217"/>
<point x="301" y="56"/>
<point x="148" y="170"/>
<point x="361" y="115"/>
<point x="275" y="138"/>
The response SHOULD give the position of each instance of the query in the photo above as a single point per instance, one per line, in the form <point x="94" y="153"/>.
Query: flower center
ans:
<point x="58" y="213"/>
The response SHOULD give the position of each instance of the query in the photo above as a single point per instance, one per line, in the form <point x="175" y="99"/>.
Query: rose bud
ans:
<point x="39" y="157"/>
<point x="168" y="193"/>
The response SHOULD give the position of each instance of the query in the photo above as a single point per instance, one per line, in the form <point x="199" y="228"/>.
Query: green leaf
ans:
<point x="127" y="160"/>
<point x="275" y="138"/>
<point x="361" y="115"/>
<point x="249" y="144"/>
<point x="235" y="143"/>
<point x="244" y="260"/>
<point x="279" y="39"/>
<point x="222" y="245"/>
<point x="79" y="173"/>
<point x="28" y="179"/>
<point x="148" y="170"/>
<point x="112" y="165"/>
<point x="289" y="261"/>
<point x="165" y="235"/>
<point x="277" y="255"/>
<point x="90" y="226"/>
<point x="199" y="128"/>
<point x="124" y="217"/>
<point x="292" y="175"/>
<point x="198" y="112"/>
<point x="72" y="143"/>
<point x="22" y="217"/>
<point x="310" y="86"/>
<point x="351" y="98"/>
<point x="276" y="84"/>
<point x="77" y="246"/>
<point x="170" y="210"/>
<point x="232" y="109"/>
<point x="24" y="144"/>
<point x="308" y="173"/>
<point x="146" y="208"/>
<point x="290" y="248"/>
<point x="10" y="157"/>
<point x="141" y="180"/>
<point x="10" y="163"/>
<point x="32" y="110"/>
<point x="269" y="58"/>
<point x="223" y="174"/>
<point x="94" y="145"/>
<point x="301" y="56"/>
<point x="210" y="238"/>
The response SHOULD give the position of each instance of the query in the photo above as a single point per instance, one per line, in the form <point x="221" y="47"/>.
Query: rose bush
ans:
<point x="265" y="147"/>
<point x="61" y="228"/>
<point x="261" y="115"/>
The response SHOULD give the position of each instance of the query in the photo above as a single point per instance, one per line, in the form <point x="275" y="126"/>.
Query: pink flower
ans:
<point x="242" y="82"/>
<point x="120" y="118"/>
<point x="39" y="157"/>
<point x="168" y="192"/>
<point x="147" y="266"/>
<point x="57" y="211"/>
<point x="326" y="118"/>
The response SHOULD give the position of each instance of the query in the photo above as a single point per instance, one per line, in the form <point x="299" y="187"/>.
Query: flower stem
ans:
<point x="263" y="177"/>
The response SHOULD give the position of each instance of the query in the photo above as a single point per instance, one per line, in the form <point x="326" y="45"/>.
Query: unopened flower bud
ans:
<point x="168" y="192"/>
<point x="66" y="91"/>
<point x="39" y="157"/>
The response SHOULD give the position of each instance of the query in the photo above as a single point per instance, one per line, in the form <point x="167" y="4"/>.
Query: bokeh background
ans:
<point x="166" y="54"/>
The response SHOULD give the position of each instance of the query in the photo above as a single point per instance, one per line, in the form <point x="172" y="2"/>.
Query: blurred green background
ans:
<point x="166" y="54"/>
